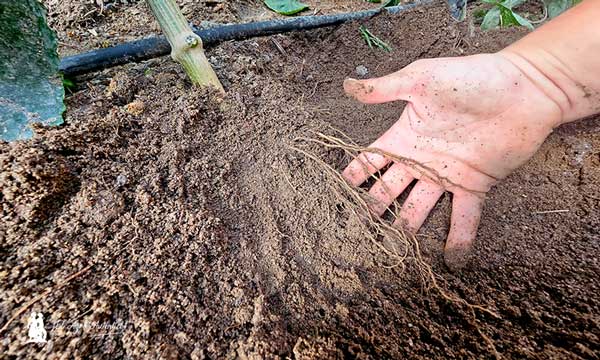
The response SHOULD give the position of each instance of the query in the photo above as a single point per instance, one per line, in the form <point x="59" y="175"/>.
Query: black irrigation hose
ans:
<point x="152" y="47"/>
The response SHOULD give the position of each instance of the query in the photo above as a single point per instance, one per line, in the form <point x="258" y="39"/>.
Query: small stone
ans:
<point x="121" y="180"/>
<point x="362" y="70"/>
<point x="579" y="150"/>
<point x="135" y="108"/>
<point x="181" y="338"/>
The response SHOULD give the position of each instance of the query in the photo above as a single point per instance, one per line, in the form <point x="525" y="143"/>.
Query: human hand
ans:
<point x="469" y="122"/>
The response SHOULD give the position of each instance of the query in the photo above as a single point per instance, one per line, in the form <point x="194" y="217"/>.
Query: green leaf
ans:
<point x="31" y="88"/>
<point x="506" y="3"/>
<point x="491" y="20"/>
<point x="371" y="39"/>
<point x="557" y="7"/>
<point x="510" y="18"/>
<point x="522" y="21"/>
<point x="507" y="17"/>
<point x="511" y="3"/>
<point x="68" y="84"/>
<point x="391" y="3"/>
<point x="286" y="7"/>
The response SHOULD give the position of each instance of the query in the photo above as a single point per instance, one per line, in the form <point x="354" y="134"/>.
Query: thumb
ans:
<point x="392" y="87"/>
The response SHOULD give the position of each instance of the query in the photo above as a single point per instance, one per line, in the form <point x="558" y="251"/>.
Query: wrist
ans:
<point x="544" y="71"/>
<point x="561" y="59"/>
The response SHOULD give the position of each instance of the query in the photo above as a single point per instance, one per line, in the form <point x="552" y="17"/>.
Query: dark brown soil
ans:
<point x="209" y="236"/>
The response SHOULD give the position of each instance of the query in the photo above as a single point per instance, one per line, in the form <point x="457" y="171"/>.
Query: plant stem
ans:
<point x="372" y="39"/>
<point x="186" y="47"/>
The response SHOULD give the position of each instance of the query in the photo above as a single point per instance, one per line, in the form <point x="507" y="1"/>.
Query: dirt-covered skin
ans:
<point x="210" y="237"/>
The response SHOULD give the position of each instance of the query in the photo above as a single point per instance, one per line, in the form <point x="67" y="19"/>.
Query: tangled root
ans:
<point x="400" y="246"/>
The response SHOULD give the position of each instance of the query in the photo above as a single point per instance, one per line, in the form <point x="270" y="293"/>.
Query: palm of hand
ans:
<point x="468" y="123"/>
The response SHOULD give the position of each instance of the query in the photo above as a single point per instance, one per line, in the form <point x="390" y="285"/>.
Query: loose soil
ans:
<point x="209" y="235"/>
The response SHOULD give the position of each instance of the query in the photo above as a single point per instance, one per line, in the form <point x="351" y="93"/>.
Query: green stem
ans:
<point x="186" y="47"/>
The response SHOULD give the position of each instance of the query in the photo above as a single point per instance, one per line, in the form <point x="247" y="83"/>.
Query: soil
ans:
<point x="209" y="235"/>
<point x="102" y="23"/>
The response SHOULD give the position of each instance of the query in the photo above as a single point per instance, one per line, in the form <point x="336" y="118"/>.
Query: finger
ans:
<point x="466" y="213"/>
<point x="392" y="87"/>
<point x="391" y="184"/>
<point x="363" y="166"/>
<point x="419" y="203"/>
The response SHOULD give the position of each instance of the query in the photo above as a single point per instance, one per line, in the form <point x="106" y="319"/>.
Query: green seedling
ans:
<point x="373" y="40"/>
<point x="502" y="13"/>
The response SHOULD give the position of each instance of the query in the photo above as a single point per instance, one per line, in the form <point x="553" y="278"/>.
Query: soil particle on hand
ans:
<point x="212" y="236"/>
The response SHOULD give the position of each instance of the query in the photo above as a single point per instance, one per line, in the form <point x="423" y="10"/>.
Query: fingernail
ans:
<point x="357" y="88"/>
<point x="350" y="84"/>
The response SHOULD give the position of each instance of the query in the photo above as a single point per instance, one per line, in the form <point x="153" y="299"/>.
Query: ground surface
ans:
<point x="209" y="235"/>
<point x="86" y="25"/>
